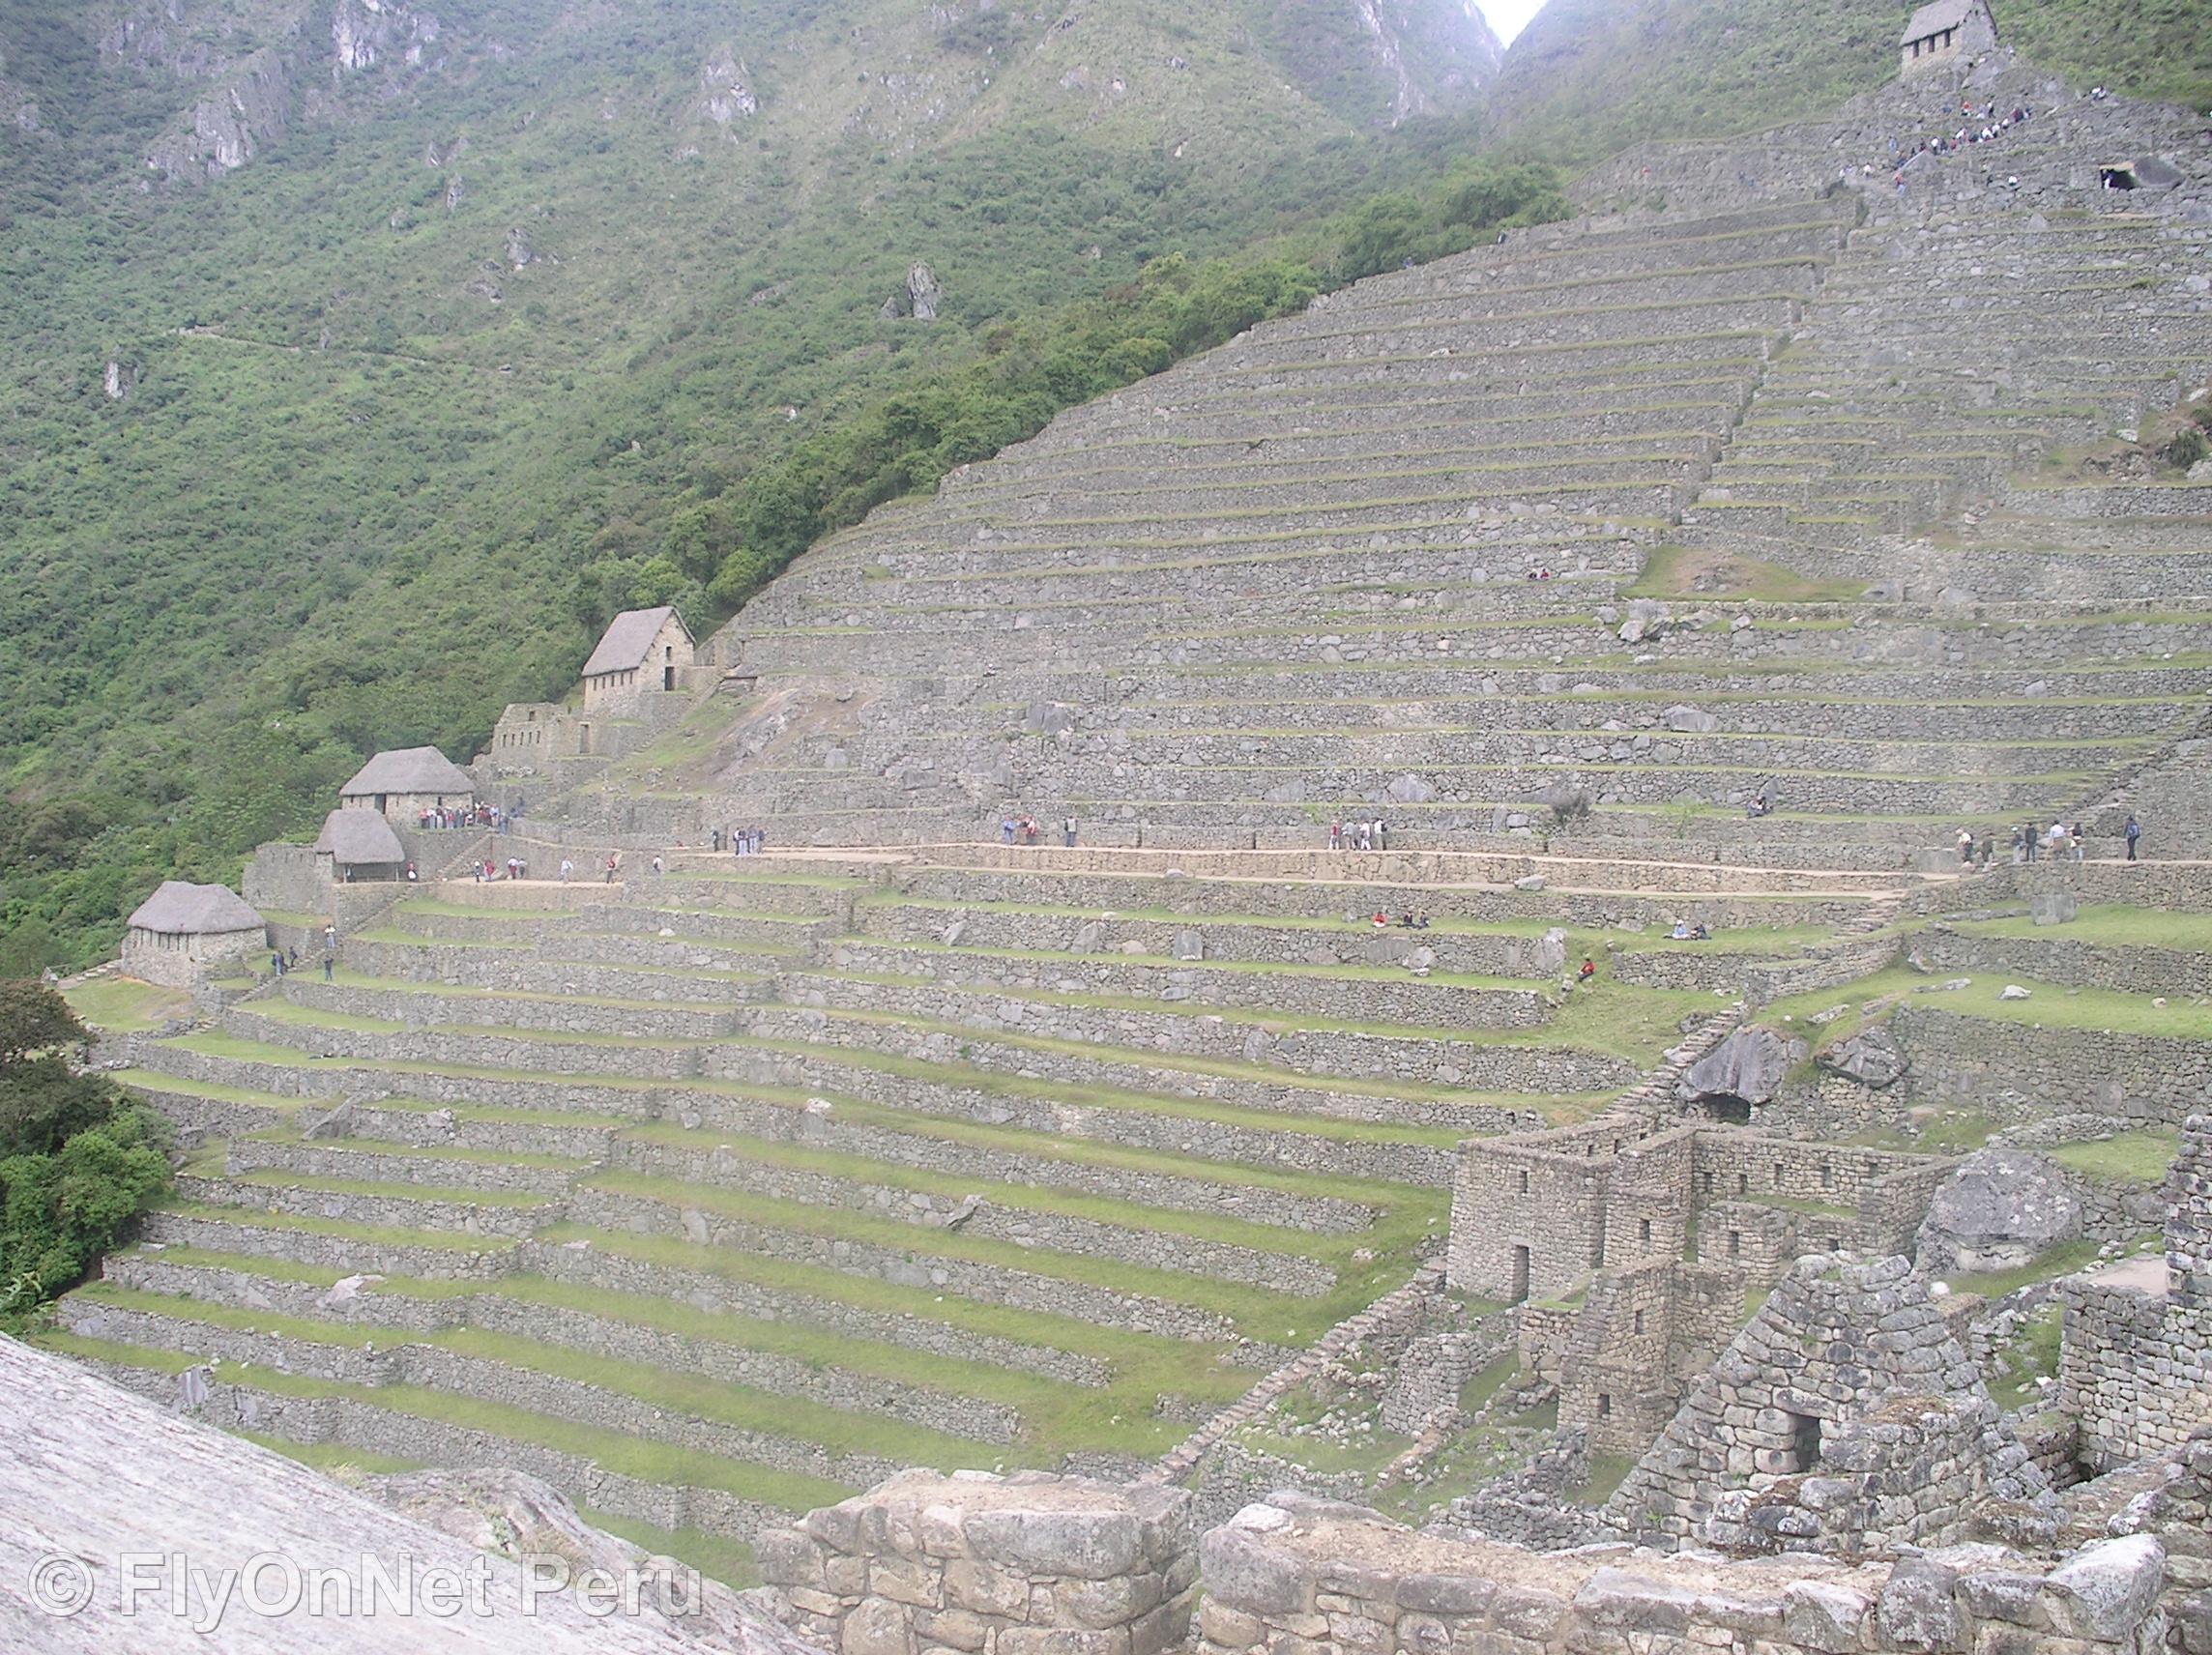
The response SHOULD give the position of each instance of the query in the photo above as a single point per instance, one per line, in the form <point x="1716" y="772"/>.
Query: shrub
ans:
<point x="2187" y="448"/>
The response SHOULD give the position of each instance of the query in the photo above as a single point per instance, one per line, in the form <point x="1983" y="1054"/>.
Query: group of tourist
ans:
<point x="1977" y="125"/>
<point x="1407" y="921"/>
<point x="2058" y="843"/>
<point x="1372" y="835"/>
<point x="487" y="871"/>
<point x="283" y="962"/>
<point x="739" y="841"/>
<point x="478" y="815"/>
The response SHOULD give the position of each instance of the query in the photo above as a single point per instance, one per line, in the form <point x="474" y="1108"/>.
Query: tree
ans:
<point x="77" y="1161"/>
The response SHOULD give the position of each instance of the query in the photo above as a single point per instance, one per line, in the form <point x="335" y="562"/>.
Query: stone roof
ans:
<point x="358" y="838"/>
<point x="1934" y="18"/>
<point x="180" y="908"/>
<point x="628" y="635"/>
<point x="409" y="770"/>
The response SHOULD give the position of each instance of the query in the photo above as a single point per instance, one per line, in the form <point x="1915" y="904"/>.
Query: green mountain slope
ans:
<point x="1586" y="78"/>
<point x="364" y="359"/>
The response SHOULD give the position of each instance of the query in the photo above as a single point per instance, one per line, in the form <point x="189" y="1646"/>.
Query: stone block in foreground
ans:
<point x="1027" y="1564"/>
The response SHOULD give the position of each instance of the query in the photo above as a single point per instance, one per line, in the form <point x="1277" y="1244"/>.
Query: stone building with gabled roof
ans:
<point x="407" y="781"/>
<point x="1945" y="34"/>
<point x="184" y="932"/>
<point x="642" y="651"/>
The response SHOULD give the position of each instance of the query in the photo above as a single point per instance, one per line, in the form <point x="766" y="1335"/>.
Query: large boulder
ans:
<point x="1871" y="1056"/>
<point x="1748" y="1064"/>
<point x="1691" y="720"/>
<point x="2051" y="908"/>
<point x="1410" y="789"/>
<point x="1997" y="1212"/>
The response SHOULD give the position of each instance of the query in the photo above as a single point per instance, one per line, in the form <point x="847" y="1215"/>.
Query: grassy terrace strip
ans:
<point x="2110" y="923"/>
<point x="1268" y="1317"/>
<point x="717" y="1557"/>
<point x="1147" y="1103"/>
<point x="612" y="1451"/>
<point x="1748" y="939"/>
<point x="739" y="1407"/>
<point x="1144" y="1366"/>
<point x="1043" y="1404"/>
<point x="274" y="1177"/>
<point x="1331" y="1249"/>
<point x="124" y="1006"/>
<point x="2049" y="1005"/>
<point x="1641" y="1023"/>
<point x="338" y="1229"/>
<point x="444" y="991"/>
<point x="1168" y="962"/>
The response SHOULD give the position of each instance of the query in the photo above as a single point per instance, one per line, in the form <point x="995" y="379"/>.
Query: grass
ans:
<point x="2139" y="1158"/>
<point x="2111" y="924"/>
<point x="612" y="1451"/>
<point x="2034" y="1355"/>
<point x="2047" y="1005"/>
<point x="1694" y="574"/>
<point x="125" y="1005"/>
<point x="2064" y="1259"/>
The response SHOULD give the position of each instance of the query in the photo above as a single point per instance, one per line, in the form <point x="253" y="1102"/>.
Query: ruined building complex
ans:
<point x="1656" y="1194"/>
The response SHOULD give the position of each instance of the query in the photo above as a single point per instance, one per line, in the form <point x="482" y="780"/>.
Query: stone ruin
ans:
<point x="1846" y="1417"/>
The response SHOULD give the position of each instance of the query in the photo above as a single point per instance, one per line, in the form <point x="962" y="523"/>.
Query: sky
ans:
<point x="1507" y="17"/>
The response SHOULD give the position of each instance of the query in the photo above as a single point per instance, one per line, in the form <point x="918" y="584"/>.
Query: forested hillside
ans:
<point x="423" y="343"/>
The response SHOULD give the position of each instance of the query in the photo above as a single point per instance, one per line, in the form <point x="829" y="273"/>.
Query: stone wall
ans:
<point x="1027" y="1564"/>
<point x="2136" y="1368"/>
<point x="2018" y="1072"/>
<point x="1303" y="1576"/>
<point x="290" y="878"/>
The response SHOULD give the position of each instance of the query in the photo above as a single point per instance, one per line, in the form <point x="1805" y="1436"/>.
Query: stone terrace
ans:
<point x="1288" y="582"/>
<point x="704" y="1195"/>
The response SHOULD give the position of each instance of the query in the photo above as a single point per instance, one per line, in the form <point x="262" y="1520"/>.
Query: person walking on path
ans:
<point x="1067" y="833"/>
<point x="1336" y="835"/>
<point x="327" y="963"/>
<point x="614" y="864"/>
<point x="2028" y="838"/>
<point x="657" y="867"/>
<point x="2133" y="832"/>
<point x="1967" y="846"/>
<point x="567" y="867"/>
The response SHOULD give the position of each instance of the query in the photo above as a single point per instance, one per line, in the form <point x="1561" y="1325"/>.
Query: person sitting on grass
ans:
<point x="1588" y="971"/>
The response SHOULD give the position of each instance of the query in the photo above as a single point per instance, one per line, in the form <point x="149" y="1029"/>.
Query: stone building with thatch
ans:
<point x="406" y="781"/>
<point x="184" y="932"/>
<point x="361" y="845"/>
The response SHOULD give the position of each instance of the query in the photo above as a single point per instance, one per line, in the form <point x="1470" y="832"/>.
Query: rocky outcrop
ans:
<point x="918" y="300"/>
<point x="1999" y="1211"/>
<point x="725" y="88"/>
<point x="1871" y="1056"/>
<point x="1749" y="1064"/>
